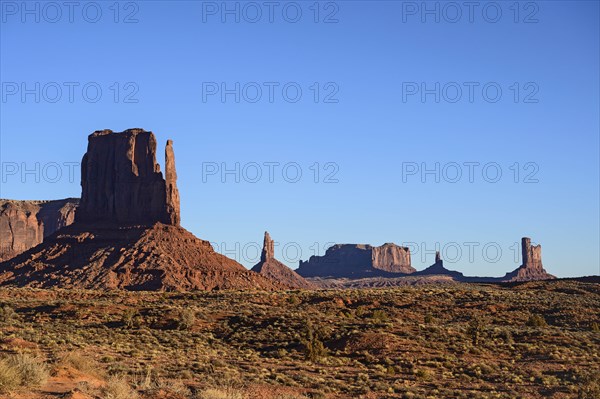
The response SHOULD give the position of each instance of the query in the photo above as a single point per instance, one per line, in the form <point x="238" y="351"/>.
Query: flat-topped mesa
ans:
<point x="122" y="182"/>
<point x="358" y="260"/>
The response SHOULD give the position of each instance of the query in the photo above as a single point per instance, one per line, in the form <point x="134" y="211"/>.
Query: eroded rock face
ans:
<point x="273" y="269"/>
<point x="122" y="182"/>
<point x="355" y="260"/>
<point x="532" y="268"/>
<point x="391" y="258"/>
<point x="24" y="224"/>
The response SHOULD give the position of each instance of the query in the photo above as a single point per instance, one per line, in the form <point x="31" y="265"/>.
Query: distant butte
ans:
<point x="532" y="268"/>
<point x="357" y="260"/>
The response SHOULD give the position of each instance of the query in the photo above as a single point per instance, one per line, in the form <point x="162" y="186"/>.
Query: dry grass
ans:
<point x="22" y="371"/>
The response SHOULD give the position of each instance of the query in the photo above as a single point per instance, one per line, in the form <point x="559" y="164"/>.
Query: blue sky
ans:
<point x="362" y="120"/>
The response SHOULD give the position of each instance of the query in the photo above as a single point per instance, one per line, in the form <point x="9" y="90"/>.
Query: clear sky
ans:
<point x="389" y="89"/>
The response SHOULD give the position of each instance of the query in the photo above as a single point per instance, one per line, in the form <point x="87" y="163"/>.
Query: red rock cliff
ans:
<point x="122" y="182"/>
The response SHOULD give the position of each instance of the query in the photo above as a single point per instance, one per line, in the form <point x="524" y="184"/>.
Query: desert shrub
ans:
<point x="536" y="320"/>
<point x="294" y="300"/>
<point x="7" y="314"/>
<point x="131" y="319"/>
<point x="187" y="319"/>
<point x="22" y="370"/>
<point x="314" y="348"/>
<point x="379" y="315"/>
<point x="475" y="330"/>
<point x="80" y="362"/>
<point x="10" y="378"/>
<point x="118" y="388"/>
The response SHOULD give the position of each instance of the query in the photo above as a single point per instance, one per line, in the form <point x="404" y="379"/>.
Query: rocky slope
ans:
<point x="277" y="271"/>
<point x="357" y="260"/>
<point x="161" y="257"/>
<point x="24" y="224"/>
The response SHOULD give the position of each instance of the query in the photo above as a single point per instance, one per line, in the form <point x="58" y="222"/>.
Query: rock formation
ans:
<point x="126" y="233"/>
<point x="122" y="182"/>
<point x="24" y="224"/>
<point x="532" y="268"/>
<point x="438" y="269"/>
<point x="277" y="271"/>
<point x="357" y="260"/>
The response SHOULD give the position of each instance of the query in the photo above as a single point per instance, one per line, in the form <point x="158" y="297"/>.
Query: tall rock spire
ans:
<point x="268" y="251"/>
<point x="173" y="212"/>
<point x="275" y="270"/>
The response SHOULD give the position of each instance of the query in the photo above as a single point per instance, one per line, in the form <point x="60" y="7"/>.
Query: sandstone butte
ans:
<point x="126" y="232"/>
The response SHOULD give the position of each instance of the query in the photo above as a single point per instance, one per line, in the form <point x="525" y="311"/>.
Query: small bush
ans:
<point x="10" y="378"/>
<point x="80" y="362"/>
<point x="7" y="314"/>
<point x="118" y="388"/>
<point x="379" y="315"/>
<point x="536" y="320"/>
<point x="22" y="370"/>
<point x="187" y="319"/>
<point x="314" y="348"/>
<point x="475" y="330"/>
<point x="132" y="319"/>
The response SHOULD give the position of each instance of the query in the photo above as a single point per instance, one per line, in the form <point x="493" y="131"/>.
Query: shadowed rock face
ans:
<point x="356" y="260"/>
<point x="275" y="270"/>
<point x="25" y="224"/>
<point x="122" y="182"/>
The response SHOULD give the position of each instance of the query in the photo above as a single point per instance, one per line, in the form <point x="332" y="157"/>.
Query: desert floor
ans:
<point x="534" y="340"/>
